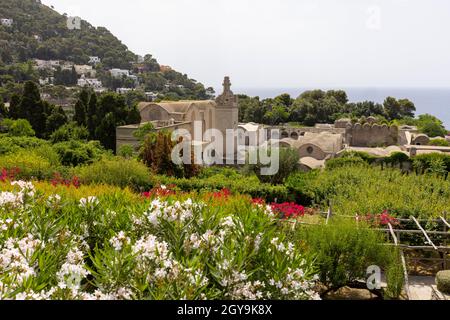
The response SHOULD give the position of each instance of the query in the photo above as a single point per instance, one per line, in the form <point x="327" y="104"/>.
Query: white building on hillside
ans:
<point x="119" y="73"/>
<point x="47" y="64"/>
<point x="123" y="90"/>
<point x="151" y="96"/>
<point x="91" y="83"/>
<point x="85" y="70"/>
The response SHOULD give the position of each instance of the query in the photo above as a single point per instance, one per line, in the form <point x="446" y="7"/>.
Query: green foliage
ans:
<point x="345" y="162"/>
<point x="398" y="109"/>
<point x="56" y="119"/>
<point x="395" y="278"/>
<point x="115" y="244"/>
<point x="287" y="163"/>
<point x="32" y="18"/>
<point x="427" y="124"/>
<point x="116" y="171"/>
<point x="43" y="117"/>
<point x="397" y="158"/>
<point x="443" y="281"/>
<point x="65" y="77"/>
<point x="439" y="143"/>
<point x="18" y="128"/>
<point x="69" y="131"/>
<point x="30" y="164"/>
<point x="431" y="126"/>
<point x="237" y="184"/>
<point x="344" y="251"/>
<point x="437" y="163"/>
<point x="10" y="144"/>
<point x="126" y="151"/>
<point x="74" y="153"/>
<point x="143" y="130"/>
<point x="362" y="190"/>
<point x="156" y="153"/>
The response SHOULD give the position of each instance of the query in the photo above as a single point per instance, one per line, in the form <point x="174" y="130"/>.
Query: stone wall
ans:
<point x="368" y="135"/>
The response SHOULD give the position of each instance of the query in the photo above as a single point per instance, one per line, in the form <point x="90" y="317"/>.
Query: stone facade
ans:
<point x="371" y="135"/>
<point x="221" y="114"/>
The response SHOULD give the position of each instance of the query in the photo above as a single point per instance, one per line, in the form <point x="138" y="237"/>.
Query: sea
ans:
<point x="435" y="101"/>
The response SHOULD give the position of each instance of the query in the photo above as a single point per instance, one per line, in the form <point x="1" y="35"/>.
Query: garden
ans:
<point x="78" y="222"/>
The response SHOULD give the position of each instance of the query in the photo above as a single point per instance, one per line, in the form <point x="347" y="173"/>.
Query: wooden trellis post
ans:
<point x="329" y="213"/>
<point x="446" y="225"/>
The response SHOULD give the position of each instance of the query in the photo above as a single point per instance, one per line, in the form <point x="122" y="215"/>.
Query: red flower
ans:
<point x="288" y="210"/>
<point x="222" y="194"/>
<point x="8" y="175"/>
<point x="258" y="201"/>
<point x="383" y="218"/>
<point x="58" y="180"/>
<point x="159" y="192"/>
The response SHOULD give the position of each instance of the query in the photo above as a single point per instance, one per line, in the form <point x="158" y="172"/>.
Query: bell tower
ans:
<point x="227" y="110"/>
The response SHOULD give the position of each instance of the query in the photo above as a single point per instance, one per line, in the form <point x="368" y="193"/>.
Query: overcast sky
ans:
<point x="285" y="43"/>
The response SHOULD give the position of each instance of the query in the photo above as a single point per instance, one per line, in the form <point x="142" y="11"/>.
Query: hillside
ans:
<point x="39" y="32"/>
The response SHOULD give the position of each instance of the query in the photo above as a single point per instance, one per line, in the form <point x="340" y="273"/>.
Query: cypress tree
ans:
<point x="92" y="116"/>
<point x="80" y="113"/>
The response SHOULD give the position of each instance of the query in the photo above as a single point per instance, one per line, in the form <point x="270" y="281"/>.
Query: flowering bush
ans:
<point x="161" y="191"/>
<point x="8" y="175"/>
<point x="288" y="210"/>
<point x="59" y="180"/>
<point x="382" y="219"/>
<point x="109" y="246"/>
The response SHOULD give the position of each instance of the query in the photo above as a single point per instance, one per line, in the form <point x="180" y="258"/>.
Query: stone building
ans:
<point x="221" y="114"/>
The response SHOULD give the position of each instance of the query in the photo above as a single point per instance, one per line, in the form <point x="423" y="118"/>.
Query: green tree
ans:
<point x="69" y="131"/>
<point x="3" y="110"/>
<point x="92" y="115"/>
<point x="14" y="112"/>
<point x="55" y="120"/>
<point x="80" y="113"/>
<point x="32" y="108"/>
<point x="134" y="115"/>
<point x="106" y="131"/>
<point x="431" y="126"/>
<point x="18" y="128"/>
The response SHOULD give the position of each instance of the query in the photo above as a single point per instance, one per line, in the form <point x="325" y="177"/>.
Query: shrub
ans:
<point x="344" y="162"/>
<point x="30" y="165"/>
<point x="126" y="151"/>
<point x="288" y="162"/>
<point x="443" y="281"/>
<point x="116" y="171"/>
<point x="74" y="153"/>
<point x="432" y="163"/>
<point x="13" y="144"/>
<point x="68" y="132"/>
<point x="111" y="245"/>
<point x="397" y="158"/>
<point x="359" y="154"/>
<point x="238" y="185"/>
<point x="439" y="142"/>
<point x="344" y="250"/>
<point x="156" y="153"/>
<point x="363" y="190"/>
<point x="18" y="128"/>
<point x="395" y="278"/>
<point x="143" y="130"/>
